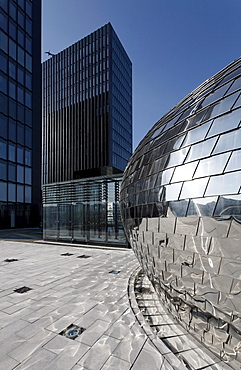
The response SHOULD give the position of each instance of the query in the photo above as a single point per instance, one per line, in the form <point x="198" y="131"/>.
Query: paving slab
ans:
<point x="121" y="328"/>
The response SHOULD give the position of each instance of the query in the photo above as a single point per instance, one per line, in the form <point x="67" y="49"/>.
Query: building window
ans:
<point x="11" y="152"/>
<point x="20" y="193"/>
<point x="11" y="192"/>
<point x="3" y="191"/>
<point x="11" y="172"/>
<point x="3" y="170"/>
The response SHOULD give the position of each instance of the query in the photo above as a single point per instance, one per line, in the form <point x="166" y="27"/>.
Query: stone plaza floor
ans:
<point x="77" y="307"/>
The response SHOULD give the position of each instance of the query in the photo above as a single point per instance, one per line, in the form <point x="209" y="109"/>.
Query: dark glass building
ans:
<point x="87" y="109"/>
<point x="87" y="139"/>
<point x="181" y="208"/>
<point x="20" y="113"/>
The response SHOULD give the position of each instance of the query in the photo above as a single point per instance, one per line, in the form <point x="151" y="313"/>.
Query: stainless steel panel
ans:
<point x="190" y="247"/>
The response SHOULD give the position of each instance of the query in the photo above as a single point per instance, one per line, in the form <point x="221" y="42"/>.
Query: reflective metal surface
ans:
<point x="181" y="209"/>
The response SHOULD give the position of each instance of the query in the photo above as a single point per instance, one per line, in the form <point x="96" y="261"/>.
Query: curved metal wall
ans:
<point x="181" y="209"/>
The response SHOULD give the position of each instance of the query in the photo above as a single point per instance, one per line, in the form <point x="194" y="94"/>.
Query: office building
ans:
<point x="87" y="138"/>
<point x="20" y="113"/>
<point x="181" y="208"/>
<point x="87" y="109"/>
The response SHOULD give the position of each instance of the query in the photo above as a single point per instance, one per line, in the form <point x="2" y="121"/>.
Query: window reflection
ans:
<point x="3" y="126"/>
<point x="28" y="197"/>
<point x="184" y="172"/>
<point x="179" y="208"/>
<point x="177" y="157"/>
<point x="224" y="184"/>
<point x="225" y="123"/>
<point x="201" y="150"/>
<point x="234" y="162"/>
<point x="20" y="173"/>
<point x="20" y="193"/>
<point x="170" y="192"/>
<point x="196" y="134"/>
<point x="28" y="157"/>
<point x="202" y="206"/>
<point x="11" y="192"/>
<point x="238" y="102"/>
<point x="11" y="172"/>
<point x="231" y="140"/>
<point x="212" y="165"/>
<point x="196" y="119"/>
<point x="3" y="149"/>
<point x="3" y="191"/>
<point x="217" y="94"/>
<point x="228" y="206"/>
<point x="164" y="177"/>
<point x="222" y="106"/>
<point x="194" y="188"/>
<point x="20" y="154"/>
<point x="12" y="152"/>
<point x="3" y="170"/>
<point x="235" y="86"/>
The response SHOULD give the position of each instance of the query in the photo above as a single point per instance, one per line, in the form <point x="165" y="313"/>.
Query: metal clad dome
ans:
<point x="181" y="209"/>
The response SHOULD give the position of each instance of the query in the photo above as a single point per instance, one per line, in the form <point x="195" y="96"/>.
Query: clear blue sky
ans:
<point x="174" y="45"/>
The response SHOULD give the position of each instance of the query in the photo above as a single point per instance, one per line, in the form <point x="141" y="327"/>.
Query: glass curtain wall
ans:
<point x="84" y="210"/>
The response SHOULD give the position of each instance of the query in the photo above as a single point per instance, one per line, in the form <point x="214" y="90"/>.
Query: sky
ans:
<point x="174" y="45"/>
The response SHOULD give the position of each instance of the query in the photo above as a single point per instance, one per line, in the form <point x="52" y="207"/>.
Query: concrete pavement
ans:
<point x="100" y="291"/>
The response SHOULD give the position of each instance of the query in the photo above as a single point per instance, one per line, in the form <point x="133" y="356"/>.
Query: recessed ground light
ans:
<point x="114" y="272"/>
<point x="22" y="290"/>
<point x="72" y="331"/>
<point x="10" y="260"/>
<point x="83" y="256"/>
<point x="67" y="254"/>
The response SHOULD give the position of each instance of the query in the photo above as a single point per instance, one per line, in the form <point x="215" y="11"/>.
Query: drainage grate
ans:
<point x="83" y="256"/>
<point x="10" y="260"/>
<point x="114" y="272"/>
<point x="67" y="254"/>
<point x="72" y="331"/>
<point x="22" y="290"/>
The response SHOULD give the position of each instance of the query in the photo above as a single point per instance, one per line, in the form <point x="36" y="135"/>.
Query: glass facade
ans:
<point x="20" y="112"/>
<point x="87" y="109"/>
<point x="181" y="208"/>
<point x="85" y="211"/>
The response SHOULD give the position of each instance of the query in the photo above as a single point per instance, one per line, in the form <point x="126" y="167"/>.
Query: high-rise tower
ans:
<point x="20" y="113"/>
<point x="87" y="109"/>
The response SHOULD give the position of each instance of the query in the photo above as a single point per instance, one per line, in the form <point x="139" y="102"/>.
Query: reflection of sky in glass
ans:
<point x="165" y="176"/>
<point x="219" y="93"/>
<point x="171" y="192"/>
<point x="231" y="140"/>
<point x="196" y="134"/>
<point x="235" y="86"/>
<point x="223" y="105"/>
<point x="176" y="158"/>
<point x="200" y="150"/>
<point x="234" y="162"/>
<point x="194" y="188"/>
<point x="225" y="123"/>
<point x="212" y="165"/>
<point x="224" y="184"/>
<point x="184" y="172"/>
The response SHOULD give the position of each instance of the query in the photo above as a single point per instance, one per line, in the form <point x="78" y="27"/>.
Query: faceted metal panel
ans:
<point x="181" y="209"/>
